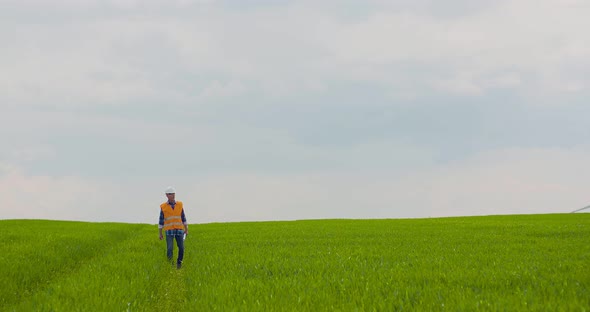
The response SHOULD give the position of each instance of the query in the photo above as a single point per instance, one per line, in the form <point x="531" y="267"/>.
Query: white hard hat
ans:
<point x="170" y="190"/>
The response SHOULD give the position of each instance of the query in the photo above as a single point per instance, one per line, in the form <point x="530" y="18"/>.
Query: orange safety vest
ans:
<point x="172" y="217"/>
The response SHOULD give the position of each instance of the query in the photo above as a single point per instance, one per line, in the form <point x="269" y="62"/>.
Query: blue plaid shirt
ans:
<point x="175" y="232"/>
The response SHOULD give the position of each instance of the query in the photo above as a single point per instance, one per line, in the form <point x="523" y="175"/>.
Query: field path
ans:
<point x="172" y="292"/>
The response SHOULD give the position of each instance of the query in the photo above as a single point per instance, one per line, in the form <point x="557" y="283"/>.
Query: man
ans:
<point x="173" y="222"/>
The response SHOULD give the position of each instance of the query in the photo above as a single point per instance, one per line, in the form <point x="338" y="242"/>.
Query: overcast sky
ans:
<point x="283" y="110"/>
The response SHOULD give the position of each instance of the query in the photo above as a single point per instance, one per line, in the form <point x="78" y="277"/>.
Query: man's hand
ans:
<point x="161" y="237"/>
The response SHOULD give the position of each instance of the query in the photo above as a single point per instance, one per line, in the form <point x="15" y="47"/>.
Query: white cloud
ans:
<point x="516" y="181"/>
<point x="460" y="86"/>
<point x="129" y="79"/>
<point x="218" y="89"/>
<point x="121" y="4"/>
<point x="66" y="125"/>
<point x="30" y="153"/>
<point x="76" y="198"/>
<point x="294" y="48"/>
<point x="44" y="197"/>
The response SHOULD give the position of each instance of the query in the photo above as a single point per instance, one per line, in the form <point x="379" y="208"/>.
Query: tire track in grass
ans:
<point x="121" y="278"/>
<point x="172" y="292"/>
<point x="63" y="285"/>
<point x="41" y="262"/>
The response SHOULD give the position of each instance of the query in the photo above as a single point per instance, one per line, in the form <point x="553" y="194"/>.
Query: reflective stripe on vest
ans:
<point x="172" y="217"/>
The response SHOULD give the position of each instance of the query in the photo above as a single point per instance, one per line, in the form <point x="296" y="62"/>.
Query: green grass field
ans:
<point x="524" y="262"/>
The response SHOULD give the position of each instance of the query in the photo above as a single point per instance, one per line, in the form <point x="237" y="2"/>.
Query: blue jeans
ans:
<point x="170" y="236"/>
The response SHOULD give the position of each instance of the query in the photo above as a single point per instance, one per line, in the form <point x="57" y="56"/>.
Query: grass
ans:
<point x="524" y="262"/>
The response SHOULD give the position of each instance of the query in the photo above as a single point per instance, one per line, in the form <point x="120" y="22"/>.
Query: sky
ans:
<point x="260" y="110"/>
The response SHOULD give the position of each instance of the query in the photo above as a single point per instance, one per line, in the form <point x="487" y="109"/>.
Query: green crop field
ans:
<point x="522" y="262"/>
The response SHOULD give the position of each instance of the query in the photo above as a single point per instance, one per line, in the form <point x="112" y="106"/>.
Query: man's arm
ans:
<point x="161" y="224"/>
<point x="184" y="222"/>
